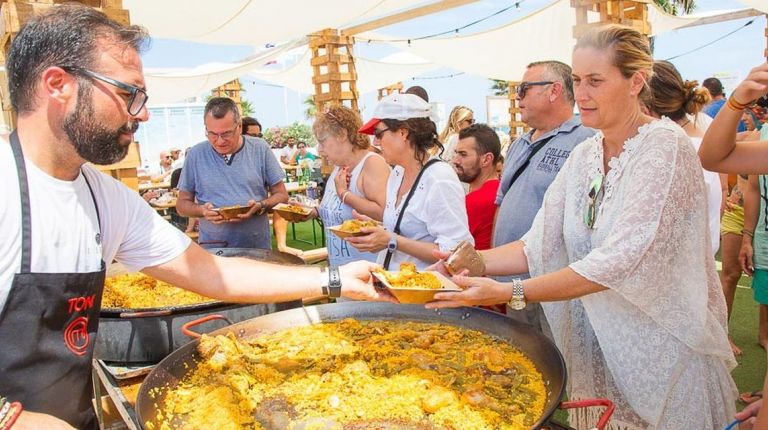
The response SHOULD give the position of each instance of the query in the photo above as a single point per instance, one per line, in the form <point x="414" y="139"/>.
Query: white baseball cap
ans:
<point x="399" y="107"/>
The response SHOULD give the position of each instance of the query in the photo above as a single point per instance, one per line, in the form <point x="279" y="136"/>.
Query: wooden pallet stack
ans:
<point x="232" y="90"/>
<point x="516" y="125"/>
<point x="390" y="89"/>
<point x="632" y="13"/>
<point x="333" y="66"/>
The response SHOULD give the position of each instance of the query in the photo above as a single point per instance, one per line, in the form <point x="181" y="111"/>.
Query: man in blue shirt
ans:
<point x="230" y="169"/>
<point x="715" y="88"/>
<point x="546" y="104"/>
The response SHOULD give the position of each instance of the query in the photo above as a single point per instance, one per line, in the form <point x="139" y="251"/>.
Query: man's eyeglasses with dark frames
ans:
<point x="224" y="135"/>
<point x="525" y="86"/>
<point x="138" y="97"/>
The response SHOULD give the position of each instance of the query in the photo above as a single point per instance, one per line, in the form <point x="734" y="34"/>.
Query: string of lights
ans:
<point x="710" y="43"/>
<point x="515" y="5"/>
<point x="424" y="78"/>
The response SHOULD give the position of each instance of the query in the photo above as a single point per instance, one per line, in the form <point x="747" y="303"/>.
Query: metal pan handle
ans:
<point x="146" y="314"/>
<point x="187" y="326"/>
<point x="604" y="417"/>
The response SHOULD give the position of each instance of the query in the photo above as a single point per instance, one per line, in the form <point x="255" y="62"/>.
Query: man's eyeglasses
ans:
<point x="138" y="97"/>
<point x="590" y="211"/>
<point x="378" y="133"/>
<point x="225" y="135"/>
<point x="525" y="86"/>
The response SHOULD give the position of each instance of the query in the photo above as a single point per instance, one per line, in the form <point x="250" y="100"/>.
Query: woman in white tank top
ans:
<point x="358" y="181"/>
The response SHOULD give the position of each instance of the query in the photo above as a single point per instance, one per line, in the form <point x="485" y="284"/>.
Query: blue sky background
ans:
<point x="734" y="55"/>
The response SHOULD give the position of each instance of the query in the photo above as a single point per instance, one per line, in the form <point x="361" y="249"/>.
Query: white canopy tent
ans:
<point x="250" y="22"/>
<point x="487" y="54"/>
<point x="174" y="86"/>
<point x="484" y="53"/>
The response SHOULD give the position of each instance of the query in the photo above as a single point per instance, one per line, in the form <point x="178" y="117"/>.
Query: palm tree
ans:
<point x="246" y="107"/>
<point x="311" y="108"/>
<point x="499" y="87"/>
<point x="676" y="7"/>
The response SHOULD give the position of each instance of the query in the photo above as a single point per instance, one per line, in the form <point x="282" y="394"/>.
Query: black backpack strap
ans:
<point x="388" y="257"/>
<point x="522" y="167"/>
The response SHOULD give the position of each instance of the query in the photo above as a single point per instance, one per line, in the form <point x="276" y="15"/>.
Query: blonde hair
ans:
<point x="631" y="50"/>
<point x="671" y="96"/>
<point x="341" y="121"/>
<point x="458" y="114"/>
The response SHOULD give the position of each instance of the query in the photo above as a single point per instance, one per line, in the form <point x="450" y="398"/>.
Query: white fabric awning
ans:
<point x="174" y="86"/>
<point x="504" y="52"/>
<point x="249" y="22"/>
<point x="371" y="74"/>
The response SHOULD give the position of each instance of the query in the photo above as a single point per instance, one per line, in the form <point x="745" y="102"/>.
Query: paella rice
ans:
<point x="410" y="278"/>
<point x="137" y="291"/>
<point x="354" y="225"/>
<point x="356" y="375"/>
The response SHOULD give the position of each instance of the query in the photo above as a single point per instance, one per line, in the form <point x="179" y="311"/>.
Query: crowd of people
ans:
<point x="599" y="230"/>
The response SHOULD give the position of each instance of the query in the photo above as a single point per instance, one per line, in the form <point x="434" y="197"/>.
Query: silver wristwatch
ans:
<point x="517" y="302"/>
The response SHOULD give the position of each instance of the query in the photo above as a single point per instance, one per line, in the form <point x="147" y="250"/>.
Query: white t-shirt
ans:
<point x="287" y="152"/>
<point x="436" y="213"/>
<point x="64" y="224"/>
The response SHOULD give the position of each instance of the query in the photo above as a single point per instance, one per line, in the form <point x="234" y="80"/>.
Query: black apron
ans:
<point x="48" y="329"/>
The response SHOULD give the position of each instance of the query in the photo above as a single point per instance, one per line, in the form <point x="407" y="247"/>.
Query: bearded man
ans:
<point x="77" y="85"/>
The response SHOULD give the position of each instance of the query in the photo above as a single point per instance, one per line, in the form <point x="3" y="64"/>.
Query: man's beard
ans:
<point x="467" y="176"/>
<point x="93" y="141"/>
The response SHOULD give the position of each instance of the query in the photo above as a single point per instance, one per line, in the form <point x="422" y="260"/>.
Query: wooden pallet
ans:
<point x="632" y="13"/>
<point x="516" y="126"/>
<point x="333" y="66"/>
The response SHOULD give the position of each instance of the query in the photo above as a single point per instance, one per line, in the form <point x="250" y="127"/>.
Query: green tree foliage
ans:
<point x="310" y="108"/>
<point x="302" y="133"/>
<point x="499" y="87"/>
<point x="676" y="7"/>
<point x="247" y="108"/>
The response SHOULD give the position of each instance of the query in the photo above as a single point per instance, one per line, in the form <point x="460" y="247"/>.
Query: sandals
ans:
<point x="750" y="396"/>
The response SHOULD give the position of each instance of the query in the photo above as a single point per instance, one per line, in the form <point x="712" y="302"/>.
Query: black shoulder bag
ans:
<point x="388" y="258"/>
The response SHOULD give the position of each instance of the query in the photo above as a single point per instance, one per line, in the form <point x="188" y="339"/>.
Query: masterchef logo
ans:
<point x="76" y="336"/>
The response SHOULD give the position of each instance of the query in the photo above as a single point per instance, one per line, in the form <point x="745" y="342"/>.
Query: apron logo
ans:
<point x="76" y="336"/>
<point x="98" y="238"/>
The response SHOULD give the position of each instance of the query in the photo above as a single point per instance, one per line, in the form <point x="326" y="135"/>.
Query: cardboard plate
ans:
<point x="336" y="229"/>
<point x="284" y="211"/>
<point x="418" y="295"/>
<point x="230" y="212"/>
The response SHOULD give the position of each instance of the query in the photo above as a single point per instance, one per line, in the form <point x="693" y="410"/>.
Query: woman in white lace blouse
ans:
<point x="619" y="255"/>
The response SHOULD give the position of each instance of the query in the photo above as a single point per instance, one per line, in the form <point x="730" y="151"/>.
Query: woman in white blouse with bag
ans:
<point x="425" y="210"/>
<point x="619" y="258"/>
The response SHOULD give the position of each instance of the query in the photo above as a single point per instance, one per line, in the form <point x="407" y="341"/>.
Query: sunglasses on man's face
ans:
<point x="525" y="86"/>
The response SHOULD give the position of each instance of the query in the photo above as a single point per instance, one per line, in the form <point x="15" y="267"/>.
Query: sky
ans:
<point x="731" y="57"/>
